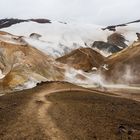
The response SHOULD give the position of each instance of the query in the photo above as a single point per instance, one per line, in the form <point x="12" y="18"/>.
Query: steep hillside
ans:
<point x="23" y="66"/>
<point x="83" y="58"/>
<point x="124" y="66"/>
<point x="106" y="47"/>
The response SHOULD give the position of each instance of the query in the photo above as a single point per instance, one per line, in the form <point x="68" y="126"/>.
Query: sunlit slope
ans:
<point x="23" y="65"/>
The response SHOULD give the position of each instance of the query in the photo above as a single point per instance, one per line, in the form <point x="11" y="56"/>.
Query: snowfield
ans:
<point x="58" y="38"/>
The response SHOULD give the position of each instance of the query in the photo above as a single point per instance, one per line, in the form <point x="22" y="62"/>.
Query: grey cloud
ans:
<point x="89" y="11"/>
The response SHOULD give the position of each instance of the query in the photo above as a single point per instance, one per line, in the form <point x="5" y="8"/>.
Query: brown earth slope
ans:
<point x="124" y="66"/>
<point x="83" y="58"/>
<point x="62" y="111"/>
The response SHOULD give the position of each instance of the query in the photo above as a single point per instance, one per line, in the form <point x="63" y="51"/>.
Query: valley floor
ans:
<point x="63" y="111"/>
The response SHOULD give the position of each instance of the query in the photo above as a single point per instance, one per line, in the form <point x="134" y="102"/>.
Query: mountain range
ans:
<point x="39" y="50"/>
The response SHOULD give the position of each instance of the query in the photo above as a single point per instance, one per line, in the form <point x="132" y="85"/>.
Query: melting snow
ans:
<point x="31" y="83"/>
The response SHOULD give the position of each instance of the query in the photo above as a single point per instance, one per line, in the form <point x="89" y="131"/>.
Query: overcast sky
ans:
<point x="103" y="12"/>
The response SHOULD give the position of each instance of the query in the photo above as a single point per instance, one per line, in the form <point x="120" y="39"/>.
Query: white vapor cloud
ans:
<point x="103" y="12"/>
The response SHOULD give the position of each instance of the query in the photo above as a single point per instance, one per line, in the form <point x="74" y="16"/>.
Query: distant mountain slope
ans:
<point x="23" y="66"/>
<point x="9" y="22"/>
<point x="113" y="27"/>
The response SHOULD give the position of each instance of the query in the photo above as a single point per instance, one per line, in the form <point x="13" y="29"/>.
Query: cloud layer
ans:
<point x="103" y="12"/>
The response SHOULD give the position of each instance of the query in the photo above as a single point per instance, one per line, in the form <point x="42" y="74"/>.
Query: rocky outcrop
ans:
<point x="107" y="47"/>
<point x="117" y="39"/>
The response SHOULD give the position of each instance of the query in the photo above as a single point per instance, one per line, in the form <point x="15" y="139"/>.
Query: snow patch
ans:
<point x="31" y="83"/>
<point x="1" y="75"/>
